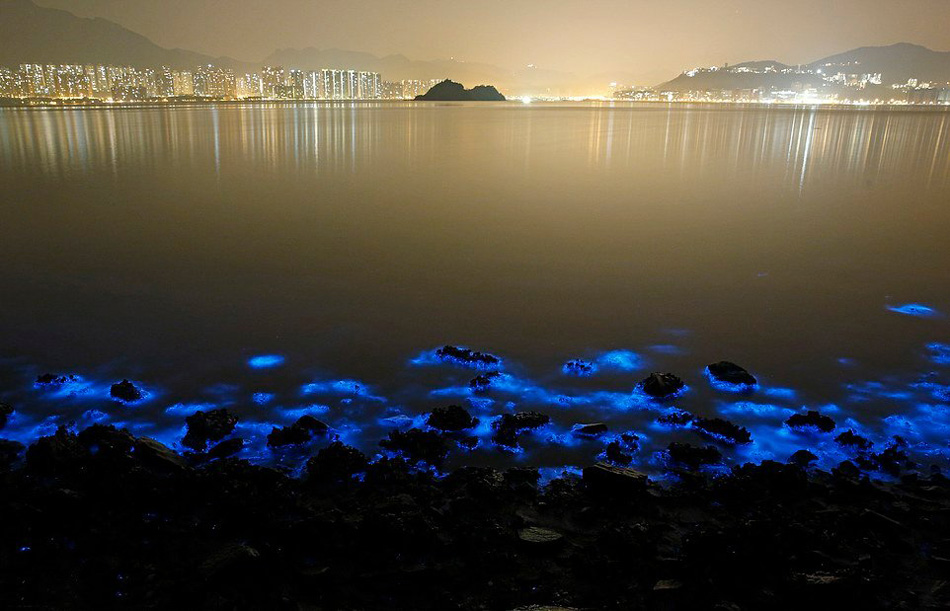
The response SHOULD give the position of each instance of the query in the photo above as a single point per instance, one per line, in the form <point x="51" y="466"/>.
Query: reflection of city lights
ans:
<point x="526" y="100"/>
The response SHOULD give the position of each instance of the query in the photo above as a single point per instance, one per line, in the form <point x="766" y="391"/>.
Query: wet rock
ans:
<point x="106" y="441"/>
<point x="336" y="462"/>
<point x="157" y="456"/>
<point x="536" y="536"/>
<point x="56" y="453"/>
<point x="466" y="356"/>
<point x="417" y="445"/>
<point x="6" y="411"/>
<point x="606" y="478"/>
<point x="510" y="426"/>
<point x="125" y="391"/>
<point x="661" y="385"/>
<point x="52" y="379"/>
<point x="226" y="448"/>
<point x="693" y="456"/>
<point x="578" y="367"/>
<point x="299" y="432"/>
<point x="9" y="453"/>
<point x="614" y="452"/>
<point x="451" y="418"/>
<point x="675" y="418"/>
<point x="730" y="373"/>
<point x="593" y="429"/>
<point x="802" y="458"/>
<point x="205" y="427"/>
<point x="483" y="382"/>
<point x="847" y="469"/>
<point x="812" y="419"/>
<point x="851" y="439"/>
<point x="723" y="430"/>
<point x="892" y="460"/>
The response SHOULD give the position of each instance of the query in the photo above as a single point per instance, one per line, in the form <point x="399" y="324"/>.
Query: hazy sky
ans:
<point x="649" y="38"/>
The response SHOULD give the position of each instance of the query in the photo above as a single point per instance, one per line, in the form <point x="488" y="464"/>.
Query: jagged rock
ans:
<point x="228" y="447"/>
<point x="593" y="429"/>
<point x="675" y="418"/>
<point x="510" y="426"/>
<point x="299" y="432"/>
<point x="9" y="452"/>
<point x="693" y="456"/>
<point x="205" y="427"/>
<point x="812" y="419"/>
<point x="608" y="478"/>
<point x="336" y="462"/>
<point x="106" y="441"/>
<point x="850" y="438"/>
<point x="578" y="367"/>
<point x="802" y="458"/>
<point x="56" y="453"/>
<point x="157" y="456"/>
<point x="661" y="385"/>
<point x="847" y="469"/>
<point x="723" y="430"/>
<point x="466" y="356"/>
<point x="451" y="418"/>
<point x="450" y="91"/>
<point x="615" y="454"/>
<point x="416" y="445"/>
<point x="5" y="411"/>
<point x="125" y="391"/>
<point x="730" y="373"/>
<point x="892" y="460"/>
<point x="483" y="382"/>
<point x="309" y="423"/>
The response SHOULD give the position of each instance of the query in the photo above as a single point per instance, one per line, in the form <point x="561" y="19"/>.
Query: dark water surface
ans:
<point x="170" y="245"/>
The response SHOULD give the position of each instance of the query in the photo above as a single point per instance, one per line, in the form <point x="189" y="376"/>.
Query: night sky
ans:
<point x="646" y="39"/>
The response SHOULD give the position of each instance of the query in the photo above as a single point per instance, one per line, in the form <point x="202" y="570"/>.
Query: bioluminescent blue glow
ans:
<point x="668" y="349"/>
<point x="757" y="410"/>
<point x="620" y="360"/>
<point x="353" y="388"/>
<point x="914" y="309"/>
<point x="430" y="358"/>
<point x="263" y="398"/>
<point x="779" y="393"/>
<point x="721" y="386"/>
<point x="265" y="361"/>
<point x="939" y="353"/>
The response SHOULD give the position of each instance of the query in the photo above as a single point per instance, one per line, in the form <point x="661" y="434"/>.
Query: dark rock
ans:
<point x="812" y="419"/>
<point x="106" y="441"/>
<point x="510" y="426"/>
<point x="466" y="356"/>
<point x="416" y="445"/>
<point x="693" y="456"/>
<point x="451" y="418"/>
<point x="661" y="385"/>
<point x="850" y="438"/>
<point x="56" y="453"/>
<point x="5" y="411"/>
<point x="483" y="382"/>
<point x="723" y="430"/>
<point x="593" y="429"/>
<point x="615" y="454"/>
<point x="802" y="458"/>
<point x="288" y="435"/>
<point x="156" y="456"/>
<point x="205" y="427"/>
<point x="578" y="367"/>
<point x="730" y="373"/>
<point x="9" y="452"/>
<point x="228" y="447"/>
<point x="336" y="462"/>
<point x="675" y="418"/>
<point x="847" y="469"/>
<point x="892" y="460"/>
<point x="125" y="391"/>
<point x="610" y="479"/>
<point x="450" y="91"/>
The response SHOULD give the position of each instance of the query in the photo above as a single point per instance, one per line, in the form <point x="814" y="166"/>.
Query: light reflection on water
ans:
<point x="172" y="245"/>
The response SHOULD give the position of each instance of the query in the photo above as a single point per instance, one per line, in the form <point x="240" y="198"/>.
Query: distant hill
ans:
<point x="896" y="64"/>
<point x="450" y="91"/>
<point x="30" y="33"/>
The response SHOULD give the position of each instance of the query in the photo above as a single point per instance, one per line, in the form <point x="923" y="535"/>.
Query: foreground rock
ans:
<point x="661" y="385"/>
<point x="812" y="419"/>
<point x="6" y="410"/>
<point x="510" y="426"/>
<point x="123" y="522"/>
<point x="730" y="373"/>
<point x="301" y="431"/>
<point x="204" y="427"/>
<point x="451" y="418"/>
<point x="125" y="391"/>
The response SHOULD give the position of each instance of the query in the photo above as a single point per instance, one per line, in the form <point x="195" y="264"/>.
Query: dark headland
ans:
<point x="450" y="91"/>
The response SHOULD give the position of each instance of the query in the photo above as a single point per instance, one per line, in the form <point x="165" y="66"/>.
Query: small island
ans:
<point x="450" y="91"/>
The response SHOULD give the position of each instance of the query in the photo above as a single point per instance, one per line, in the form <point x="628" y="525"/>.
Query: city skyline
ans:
<point x="640" y="40"/>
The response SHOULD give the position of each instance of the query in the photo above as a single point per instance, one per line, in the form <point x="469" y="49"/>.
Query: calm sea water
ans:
<point x="170" y="245"/>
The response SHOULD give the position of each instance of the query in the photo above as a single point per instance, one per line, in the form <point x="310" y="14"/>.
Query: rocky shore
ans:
<point x="101" y="519"/>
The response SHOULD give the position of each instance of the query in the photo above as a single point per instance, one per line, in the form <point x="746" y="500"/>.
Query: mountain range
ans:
<point x="34" y="34"/>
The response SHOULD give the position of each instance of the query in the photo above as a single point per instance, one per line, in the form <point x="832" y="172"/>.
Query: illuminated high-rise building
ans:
<point x="183" y="83"/>
<point x="272" y="79"/>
